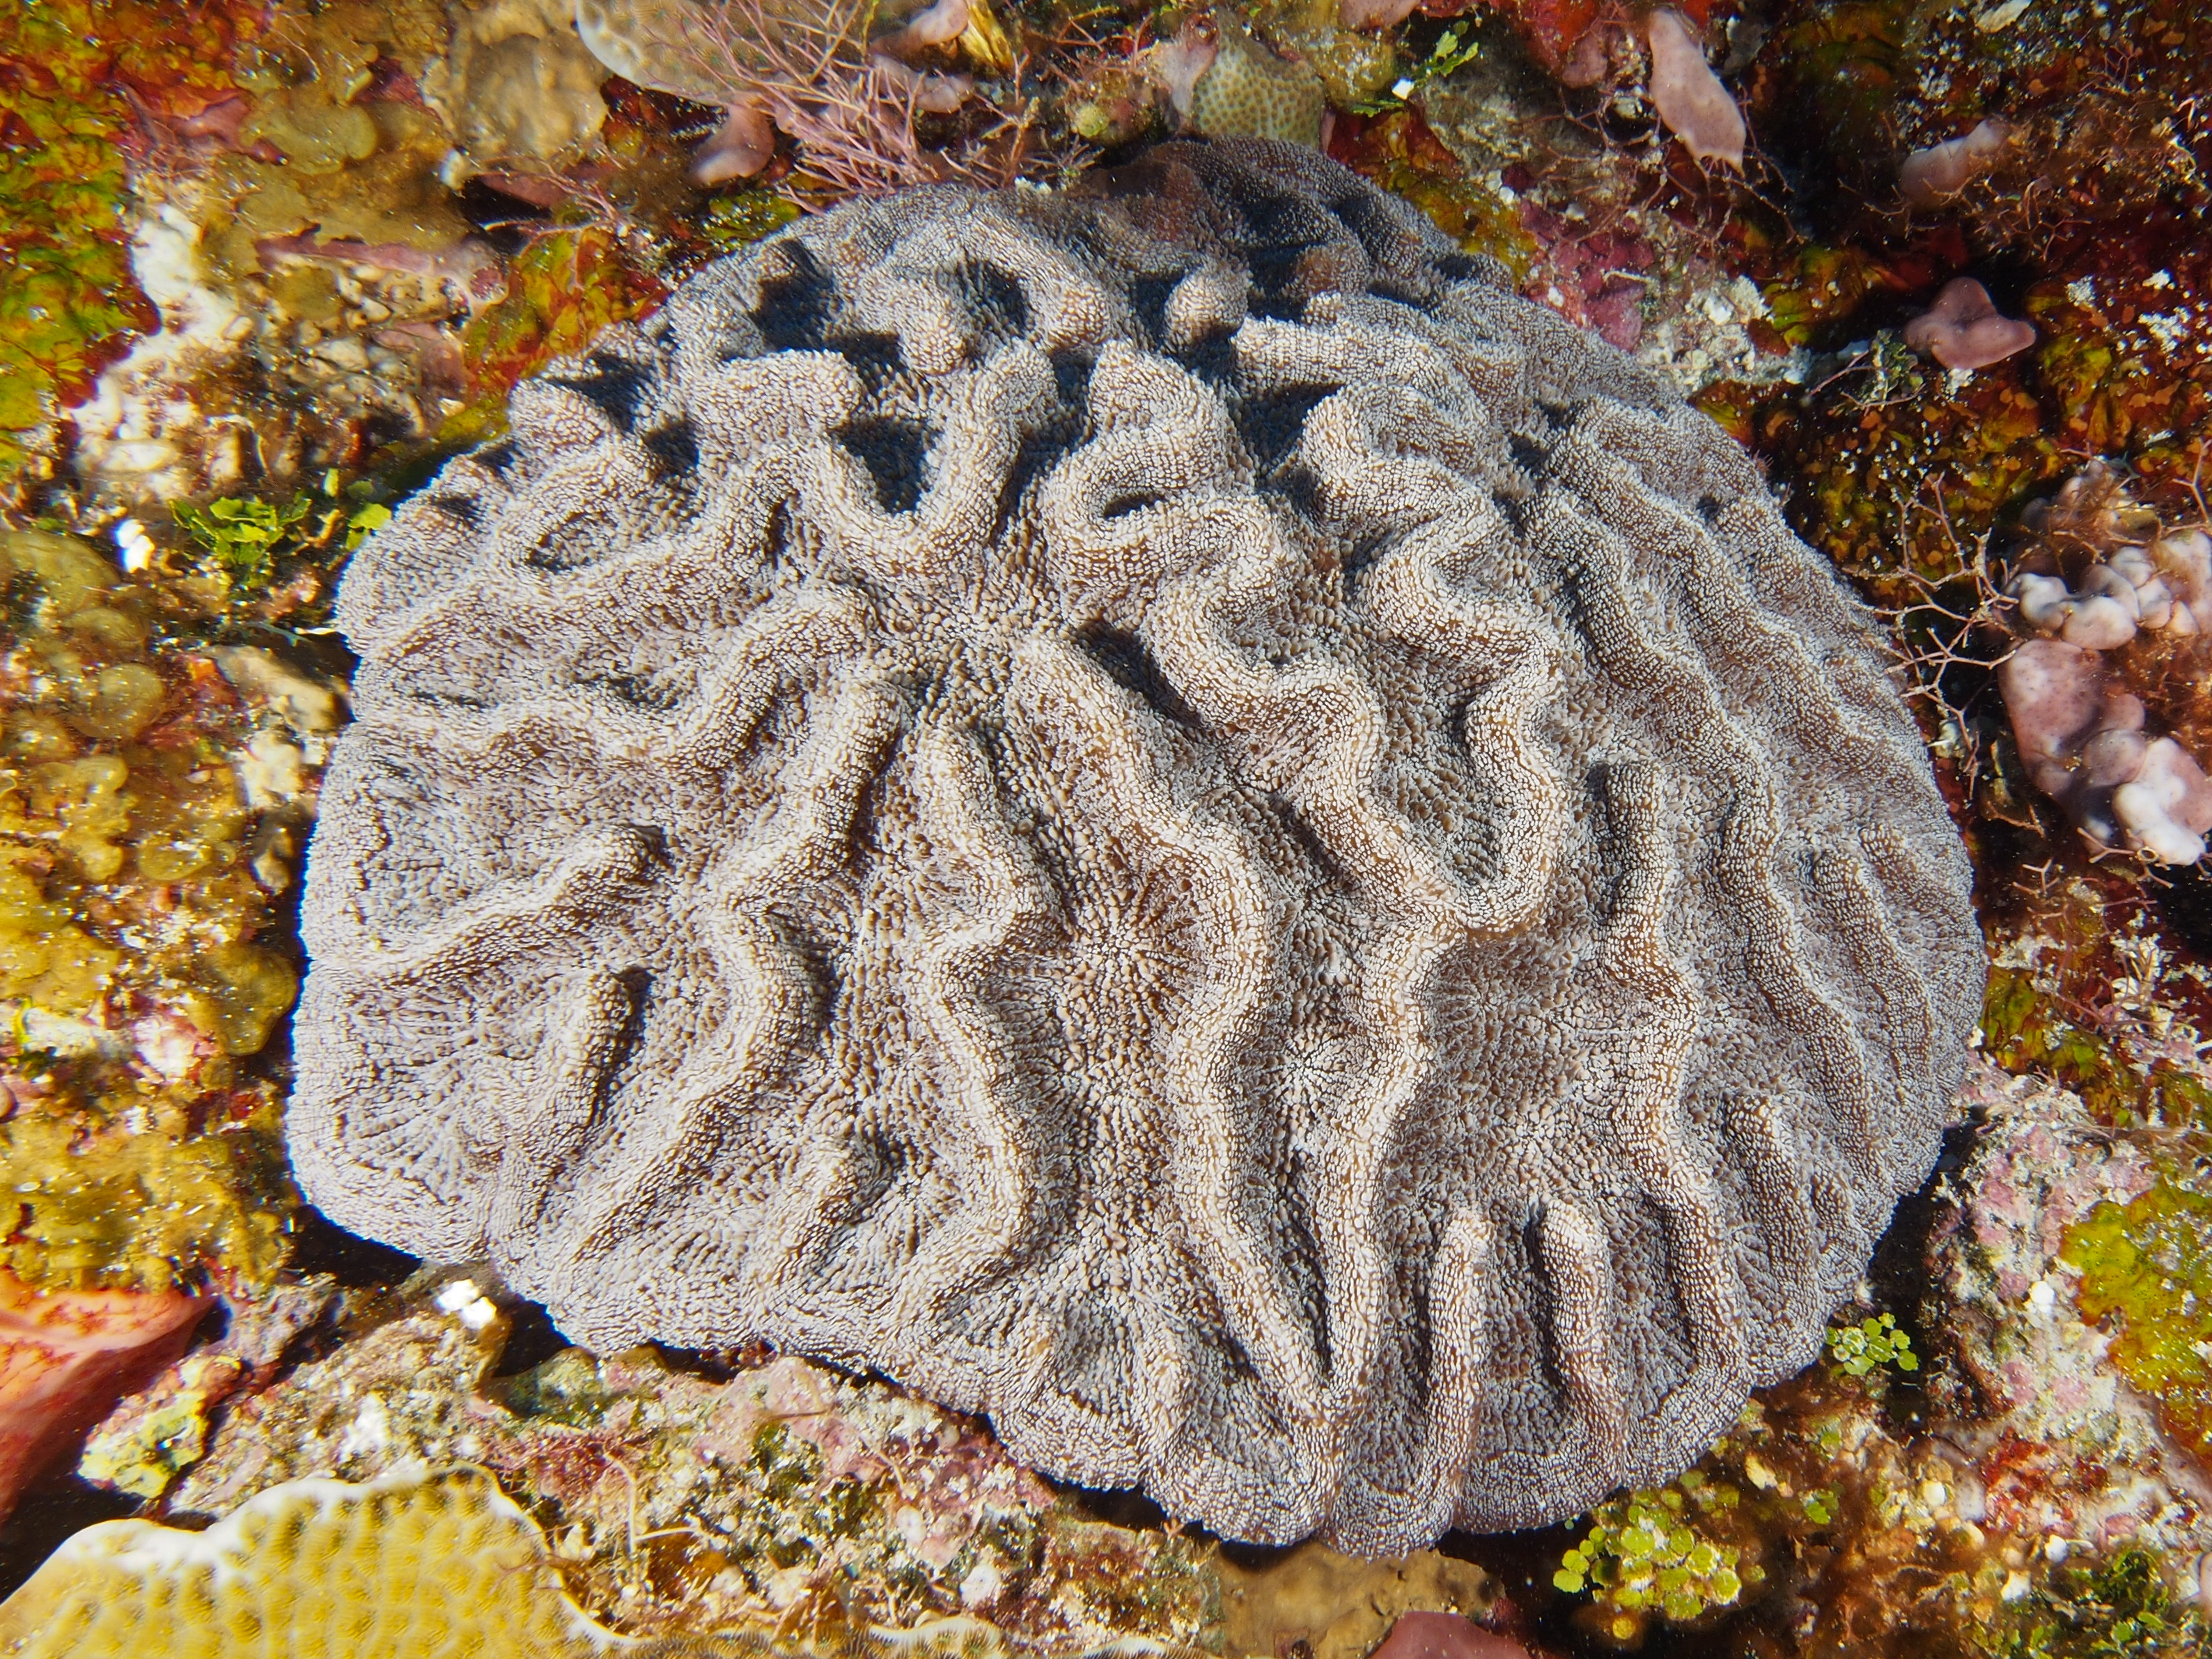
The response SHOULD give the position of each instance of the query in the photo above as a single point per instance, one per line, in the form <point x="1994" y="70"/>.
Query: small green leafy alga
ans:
<point x="1872" y="1343"/>
<point x="1643" y="1555"/>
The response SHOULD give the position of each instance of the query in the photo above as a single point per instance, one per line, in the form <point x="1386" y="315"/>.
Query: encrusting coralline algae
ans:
<point x="1163" y="813"/>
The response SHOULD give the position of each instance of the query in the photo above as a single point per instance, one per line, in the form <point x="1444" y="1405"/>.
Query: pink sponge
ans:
<point x="1929" y="175"/>
<point x="1962" y="329"/>
<point x="1688" y="96"/>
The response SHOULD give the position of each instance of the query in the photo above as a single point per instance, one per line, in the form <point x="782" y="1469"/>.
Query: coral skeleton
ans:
<point x="1163" y="813"/>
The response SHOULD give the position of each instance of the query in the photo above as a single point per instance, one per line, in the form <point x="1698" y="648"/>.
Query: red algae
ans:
<point x="66" y="1357"/>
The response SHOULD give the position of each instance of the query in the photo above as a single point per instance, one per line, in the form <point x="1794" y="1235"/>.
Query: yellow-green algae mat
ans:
<point x="414" y="1565"/>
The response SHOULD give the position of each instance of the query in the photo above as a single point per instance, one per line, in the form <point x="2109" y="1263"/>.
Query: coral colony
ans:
<point x="1010" y="829"/>
<point x="980" y="684"/>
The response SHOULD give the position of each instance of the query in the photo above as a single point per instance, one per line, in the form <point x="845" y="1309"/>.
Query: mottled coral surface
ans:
<point x="346" y="227"/>
<point x="1182" y="822"/>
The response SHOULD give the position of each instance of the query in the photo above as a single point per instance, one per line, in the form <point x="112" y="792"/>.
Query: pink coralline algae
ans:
<point x="1592" y="277"/>
<point x="1964" y="330"/>
<point x="2060" y="1447"/>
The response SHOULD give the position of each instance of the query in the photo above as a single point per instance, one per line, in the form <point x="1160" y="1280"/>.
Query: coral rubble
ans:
<point x="784" y="1498"/>
<point x="995" y="683"/>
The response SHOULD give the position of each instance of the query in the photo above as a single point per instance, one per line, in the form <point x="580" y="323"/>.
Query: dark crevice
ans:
<point x="1130" y="666"/>
<point x="48" y="1513"/>
<point x="1368" y="216"/>
<point x="465" y="510"/>
<point x="614" y="387"/>
<point x="1360" y="557"/>
<point x="1148" y="298"/>
<point x="1301" y="489"/>
<point x="995" y="298"/>
<point x="1271" y="423"/>
<point x="532" y="1340"/>
<point x="674" y="448"/>
<point x="778" y="535"/>
<point x="1129" y="500"/>
<point x="875" y="358"/>
<point x="574" y="544"/>
<point x="895" y="452"/>
<point x="431" y="697"/>
<point x="637" y="983"/>
<point x="797" y="303"/>
<point x="1067" y="425"/>
<point x="1310" y="843"/>
<point x="496" y="457"/>
<point x="319" y="1245"/>
<point x="2186" y="904"/>
<point x="1212" y="356"/>
<point x="646" y="693"/>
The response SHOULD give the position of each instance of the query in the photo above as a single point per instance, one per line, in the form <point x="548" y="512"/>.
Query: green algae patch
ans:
<point x="242" y="539"/>
<point x="1870" y="1344"/>
<point x="1646" y="1554"/>
<point x="2119" y="1608"/>
<point x="2146" y="1270"/>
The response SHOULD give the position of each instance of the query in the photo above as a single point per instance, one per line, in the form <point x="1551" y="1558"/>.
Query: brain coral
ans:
<point x="1162" y="812"/>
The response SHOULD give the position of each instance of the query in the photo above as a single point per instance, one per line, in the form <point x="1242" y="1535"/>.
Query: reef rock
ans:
<point x="1163" y="813"/>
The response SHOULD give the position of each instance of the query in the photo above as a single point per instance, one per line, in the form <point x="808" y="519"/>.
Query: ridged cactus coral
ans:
<point x="412" y="1566"/>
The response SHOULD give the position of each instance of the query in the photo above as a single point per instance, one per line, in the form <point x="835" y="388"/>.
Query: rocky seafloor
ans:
<point x="266" y="265"/>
